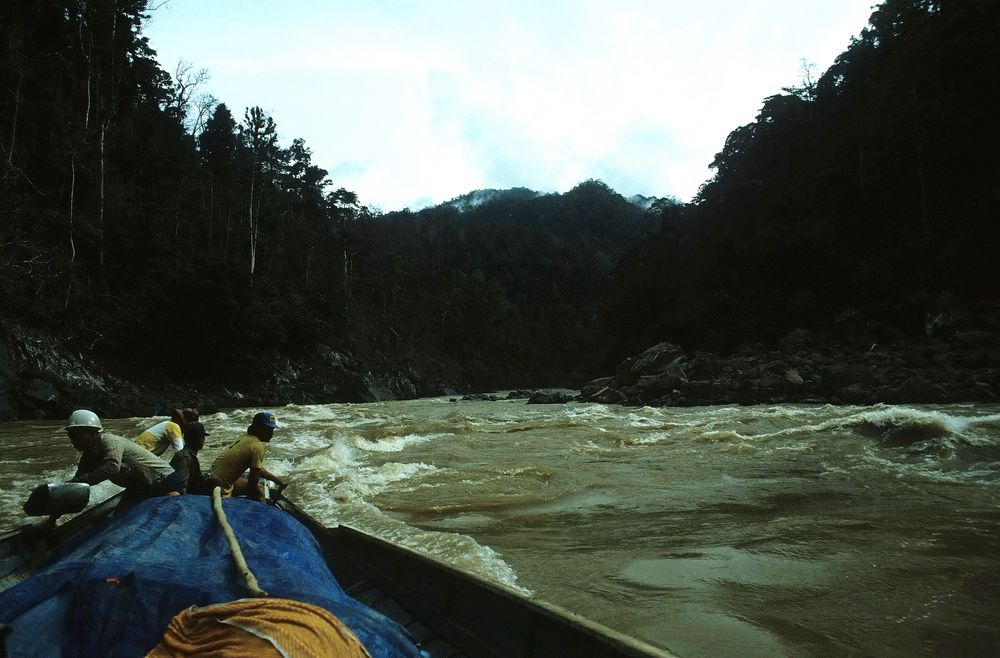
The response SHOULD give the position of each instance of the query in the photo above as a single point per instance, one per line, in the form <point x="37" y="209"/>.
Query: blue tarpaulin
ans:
<point x="114" y="590"/>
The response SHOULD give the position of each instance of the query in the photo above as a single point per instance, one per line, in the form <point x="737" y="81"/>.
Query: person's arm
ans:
<point x="176" y="436"/>
<point x="107" y="456"/>
<point x="253" y="492"/>
<point x="257" y="471"/>
<point x="83" y="466"/>
<point x="267" y="475"/>
<point x="254" y="478"/>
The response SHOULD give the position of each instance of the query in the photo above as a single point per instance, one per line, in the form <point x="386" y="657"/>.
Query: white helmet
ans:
<point x="84" y="418"/>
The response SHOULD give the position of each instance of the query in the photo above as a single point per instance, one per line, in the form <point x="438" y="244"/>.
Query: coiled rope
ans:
<point x="234" y="547"/>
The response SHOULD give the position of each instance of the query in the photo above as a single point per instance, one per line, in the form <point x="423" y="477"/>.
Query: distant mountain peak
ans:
<point x="478" y="198"/>
<point x="644" y="202"/>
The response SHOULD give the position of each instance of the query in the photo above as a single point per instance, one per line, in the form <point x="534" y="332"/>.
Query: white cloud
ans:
<point x="406" y="100"/>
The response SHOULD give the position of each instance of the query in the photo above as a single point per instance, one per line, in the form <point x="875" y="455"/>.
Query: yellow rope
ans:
<point x="234" y="546"/>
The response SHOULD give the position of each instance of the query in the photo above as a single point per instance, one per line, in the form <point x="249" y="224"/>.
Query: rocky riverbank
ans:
<point x="41" y="379"/>
<point x="957" y="360"/>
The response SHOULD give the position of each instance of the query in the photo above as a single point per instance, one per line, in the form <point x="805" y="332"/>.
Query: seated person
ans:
<point x="248" y="453"/>
<point x="105" y="456"/>
<point x="186" y="463"/>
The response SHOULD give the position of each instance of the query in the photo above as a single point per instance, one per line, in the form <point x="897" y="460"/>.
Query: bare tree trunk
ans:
<point x="72" y="244"/>
<point x="100" y="207"/>
<point x="13" y="123"/>
<point x="86" y="55"/>
<point x="347" y="282"/>
<point x="72" y="193"/>
<point x="252" y="227"/>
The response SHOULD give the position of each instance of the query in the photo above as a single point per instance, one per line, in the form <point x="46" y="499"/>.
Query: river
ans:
<point x="711" y="531"/>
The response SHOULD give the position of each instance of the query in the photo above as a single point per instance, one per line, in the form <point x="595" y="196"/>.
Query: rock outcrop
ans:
<point x="943" y="366"/>
<point x="41" y="379"/>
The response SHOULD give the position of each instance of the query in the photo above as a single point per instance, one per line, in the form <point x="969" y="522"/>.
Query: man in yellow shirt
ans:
<point x="248" y="453"/>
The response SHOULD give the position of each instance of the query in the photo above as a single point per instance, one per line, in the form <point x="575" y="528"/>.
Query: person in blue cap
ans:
<point x="246" y="455"/>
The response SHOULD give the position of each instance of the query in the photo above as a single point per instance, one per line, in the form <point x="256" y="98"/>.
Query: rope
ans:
<point x="234" y="546"/>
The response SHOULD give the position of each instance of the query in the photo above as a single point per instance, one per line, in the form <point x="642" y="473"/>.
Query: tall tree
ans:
<point x="217" y="144"/>
<point x="259" y="138"/>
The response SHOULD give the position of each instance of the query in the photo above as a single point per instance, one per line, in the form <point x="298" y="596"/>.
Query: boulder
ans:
<point x="519" y="394"/>
<point x="706" y="391"/>
<point x="592" y="388"/>
<point x="608" y="396"/>
<point x="916" y="390"/>
<point x="648" y="388"/>
<point x="657" y="359"/>
<point x="480" y="397"/>
<point x="768" y="388"/>
<point x="857" y="394"/>
<point x="624" y="374"/>
<point x="550" y="397"/>
<point x="704" y="365"/>
<point x="793" y="377"/>
<point x="838" y="375"/>
<point x="40" y="392"/>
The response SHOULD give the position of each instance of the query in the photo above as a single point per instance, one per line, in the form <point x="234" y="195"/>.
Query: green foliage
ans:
<point x="873" y="186"/>
<point x="210" y="256"/>
<point x="116" y="227"/>
<point x="501" y="293"/>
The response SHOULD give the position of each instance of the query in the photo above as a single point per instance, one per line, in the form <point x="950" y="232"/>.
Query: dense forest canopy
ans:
<point x="161" y="230"/>
<point x="872" y="189"/>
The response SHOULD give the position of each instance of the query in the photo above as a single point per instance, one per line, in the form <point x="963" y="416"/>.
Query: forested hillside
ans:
<point x="501" y="294"/>
<point x="163" y="250"/>
<point x="172" y="238"/>
<point x="866" y="192"/>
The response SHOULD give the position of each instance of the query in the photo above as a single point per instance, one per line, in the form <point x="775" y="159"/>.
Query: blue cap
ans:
<point x="266" y="419"/>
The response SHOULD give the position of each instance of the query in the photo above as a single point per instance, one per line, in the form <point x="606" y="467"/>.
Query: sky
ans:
<point x="410" y="103"/>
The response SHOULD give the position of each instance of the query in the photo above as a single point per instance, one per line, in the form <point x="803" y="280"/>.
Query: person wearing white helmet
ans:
<point x="106" y="456"/>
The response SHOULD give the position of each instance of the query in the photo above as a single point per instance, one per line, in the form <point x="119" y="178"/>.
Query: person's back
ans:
<point x="159" y="438"/>
<point x="188" y="466"/>
<point x="121" y="461"/>
<point x="186" y="461"/>
<point x="105" y="456"/>
<point x="248" y="452"/>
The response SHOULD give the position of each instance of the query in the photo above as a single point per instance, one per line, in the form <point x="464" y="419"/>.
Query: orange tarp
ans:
<point x="263" y="628"/>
